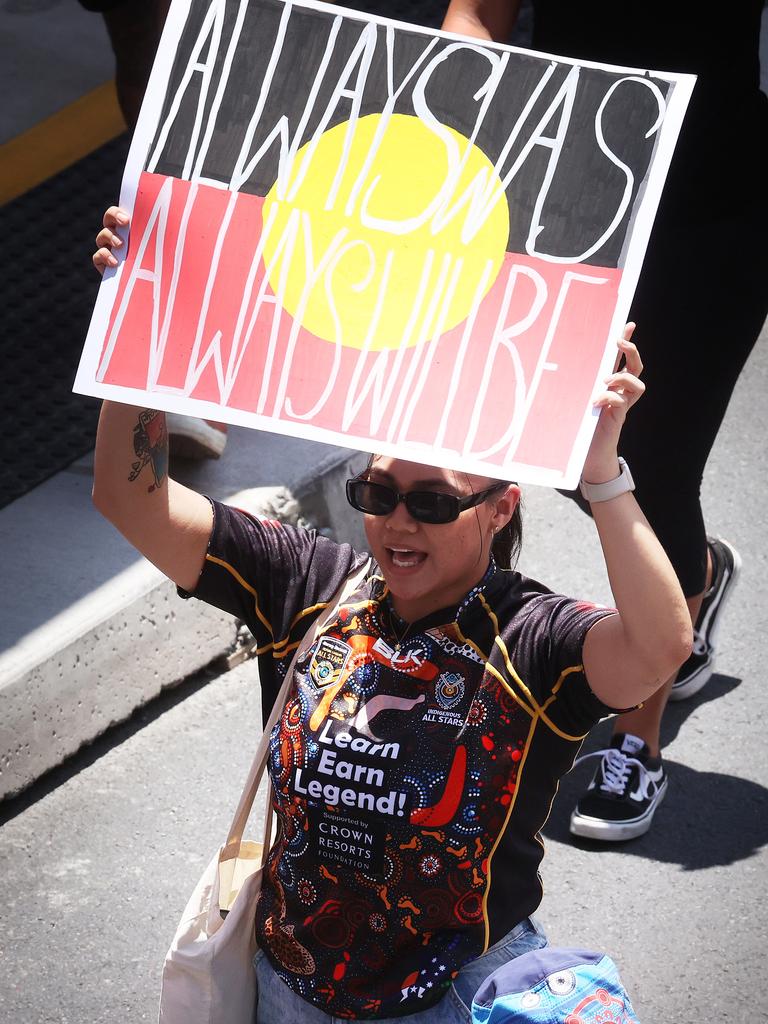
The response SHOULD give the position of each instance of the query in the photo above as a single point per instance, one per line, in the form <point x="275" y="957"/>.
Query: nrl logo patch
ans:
<point x="328" y="661"/>
<point x="449" y="689"/>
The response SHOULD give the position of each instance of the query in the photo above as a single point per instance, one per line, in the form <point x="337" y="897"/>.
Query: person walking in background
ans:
<point x="700" y="304"/>
<point x="135" y="28"/>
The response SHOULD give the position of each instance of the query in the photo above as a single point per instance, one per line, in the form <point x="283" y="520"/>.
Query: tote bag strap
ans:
<point x="251" y="787"/>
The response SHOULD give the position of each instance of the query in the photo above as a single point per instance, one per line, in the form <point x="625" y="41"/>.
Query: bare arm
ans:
<point x="166" y="522"/>
<point x="483" y="19"/>
<point x="628" y="656"/>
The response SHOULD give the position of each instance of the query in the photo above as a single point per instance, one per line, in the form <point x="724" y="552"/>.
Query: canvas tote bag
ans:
<point x="208" y="975"/>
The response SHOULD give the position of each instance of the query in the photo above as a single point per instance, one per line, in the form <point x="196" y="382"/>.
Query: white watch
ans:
<point x="611" y="488"/>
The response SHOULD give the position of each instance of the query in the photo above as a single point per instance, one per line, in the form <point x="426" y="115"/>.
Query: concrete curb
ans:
<point x="322" y="499"/>
<point x="81" y="687"/>
<point x="128" y="637"/>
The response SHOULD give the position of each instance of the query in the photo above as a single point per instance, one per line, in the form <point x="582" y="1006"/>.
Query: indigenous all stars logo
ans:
<point x="449" y="689"/>
<point x="328" y="661"/>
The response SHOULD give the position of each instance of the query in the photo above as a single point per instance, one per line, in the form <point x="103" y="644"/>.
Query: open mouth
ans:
<point x="405" y="558"/>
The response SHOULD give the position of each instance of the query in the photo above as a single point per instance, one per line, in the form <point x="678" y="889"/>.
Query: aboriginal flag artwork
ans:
<point x="381" y="236"/>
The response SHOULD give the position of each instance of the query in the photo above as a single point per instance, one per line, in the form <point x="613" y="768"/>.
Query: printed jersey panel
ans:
<point x="395" y="772"/>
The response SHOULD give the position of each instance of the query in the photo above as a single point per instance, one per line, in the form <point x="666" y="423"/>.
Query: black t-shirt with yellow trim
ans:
<point x="411" y="783"/>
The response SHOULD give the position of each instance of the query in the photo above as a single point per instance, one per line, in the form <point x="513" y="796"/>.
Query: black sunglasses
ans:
<point x="425" y="506"/>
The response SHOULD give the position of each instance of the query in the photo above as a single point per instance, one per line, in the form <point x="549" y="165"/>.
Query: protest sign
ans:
<point x="372" y="234"/>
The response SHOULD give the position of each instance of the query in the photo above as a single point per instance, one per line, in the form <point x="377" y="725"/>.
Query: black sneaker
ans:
<point x="726" y="564"/>
<point x="623" y="796"/>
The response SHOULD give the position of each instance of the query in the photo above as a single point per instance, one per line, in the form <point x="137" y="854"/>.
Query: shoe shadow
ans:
<point x="676" y="712"/>
<point x="706" y="819"/>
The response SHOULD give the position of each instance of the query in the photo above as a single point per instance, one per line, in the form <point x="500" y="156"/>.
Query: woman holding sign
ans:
<point x="428" y="725"/>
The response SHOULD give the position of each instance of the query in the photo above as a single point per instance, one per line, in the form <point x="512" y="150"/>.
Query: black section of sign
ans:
<point x="571" y="190"/>
<point x="352" y="842"/>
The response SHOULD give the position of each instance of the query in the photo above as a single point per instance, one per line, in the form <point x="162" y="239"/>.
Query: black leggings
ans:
<point x="700" y="304"/>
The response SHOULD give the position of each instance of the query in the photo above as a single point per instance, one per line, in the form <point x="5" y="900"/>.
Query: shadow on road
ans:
<point x="89" y="754"/>
<point x="707" y="819"/>
<point x="678" y="711"/>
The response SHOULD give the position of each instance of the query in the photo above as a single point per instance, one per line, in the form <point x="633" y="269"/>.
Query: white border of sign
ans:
<point x="86" y="383"/>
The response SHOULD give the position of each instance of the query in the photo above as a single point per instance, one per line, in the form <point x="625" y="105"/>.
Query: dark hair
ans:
<point x="508" y="541"/>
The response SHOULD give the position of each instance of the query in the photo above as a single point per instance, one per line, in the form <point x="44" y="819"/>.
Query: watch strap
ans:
<point x="611" y="488"/>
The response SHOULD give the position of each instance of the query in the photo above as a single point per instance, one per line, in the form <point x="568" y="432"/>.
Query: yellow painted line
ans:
<point x="59" y="141"/>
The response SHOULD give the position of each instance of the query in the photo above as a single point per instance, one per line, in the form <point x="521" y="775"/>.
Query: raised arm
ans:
<point x="168" y="523"/>
<point x="628" y="656"/>
<point x="483" y="19"/>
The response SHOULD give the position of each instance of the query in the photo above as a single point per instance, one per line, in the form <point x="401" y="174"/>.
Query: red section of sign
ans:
<point x="195" y="316"/>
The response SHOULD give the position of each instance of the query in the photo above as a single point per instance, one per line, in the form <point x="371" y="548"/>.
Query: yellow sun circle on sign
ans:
<point x="384" y="233"/>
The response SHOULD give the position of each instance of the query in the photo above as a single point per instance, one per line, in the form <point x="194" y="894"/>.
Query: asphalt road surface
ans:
<point x="98" y="859"/>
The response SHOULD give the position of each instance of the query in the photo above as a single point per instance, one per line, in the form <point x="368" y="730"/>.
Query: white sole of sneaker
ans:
<point x="716" y="609"/>
<point x="691" y="686"/>
<point x="616" y="831"/>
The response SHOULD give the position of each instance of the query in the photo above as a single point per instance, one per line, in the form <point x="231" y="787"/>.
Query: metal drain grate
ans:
<point x="47" y="290"/>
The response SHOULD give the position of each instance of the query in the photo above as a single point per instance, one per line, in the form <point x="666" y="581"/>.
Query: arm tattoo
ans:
<point x="150" y="443"/>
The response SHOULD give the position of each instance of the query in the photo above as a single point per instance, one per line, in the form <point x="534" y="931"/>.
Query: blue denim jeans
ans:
<point x="278" y="1004"/>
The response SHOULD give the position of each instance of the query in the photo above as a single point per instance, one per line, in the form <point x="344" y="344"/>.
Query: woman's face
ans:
<point x="431" y="566"/>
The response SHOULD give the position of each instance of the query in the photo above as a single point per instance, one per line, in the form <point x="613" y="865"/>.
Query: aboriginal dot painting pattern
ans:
<point x="394" y="772"/>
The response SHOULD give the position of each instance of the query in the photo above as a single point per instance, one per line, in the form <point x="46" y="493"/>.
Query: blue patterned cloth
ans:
<point x="554" y="986"/>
